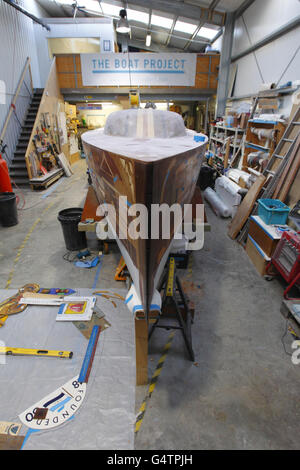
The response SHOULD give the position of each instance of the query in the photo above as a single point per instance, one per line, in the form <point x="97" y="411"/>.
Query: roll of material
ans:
<point x="216" y="203"/>
<point x="256" y="158"/>
<point x="267" y="86"/>
<point x="235" y="175"/>
<point x="263" y="133"/>
<point x="228" y="192"/>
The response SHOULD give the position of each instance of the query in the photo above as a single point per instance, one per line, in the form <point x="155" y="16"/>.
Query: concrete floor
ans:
<point x="242" y="392"/>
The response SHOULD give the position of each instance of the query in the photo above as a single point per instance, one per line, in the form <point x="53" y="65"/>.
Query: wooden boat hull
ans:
<point x="171" y="180"/>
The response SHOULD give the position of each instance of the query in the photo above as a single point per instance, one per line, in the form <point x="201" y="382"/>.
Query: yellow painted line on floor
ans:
<point x="23" y="244"/>
<point x="153" y="383"/>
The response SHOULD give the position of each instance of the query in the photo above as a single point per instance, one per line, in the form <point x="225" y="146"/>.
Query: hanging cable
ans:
<point x="287" y="67"/>
<point x="251" y="44"/>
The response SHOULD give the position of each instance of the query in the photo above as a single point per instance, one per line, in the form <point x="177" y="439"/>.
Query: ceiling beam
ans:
<point x="171" y="31"/>
<point x="186" y="10"/>
<point x="243" y="7"/>
<point x="154" y="47"/>
<point x="27" y="13"/>
<point x="211" y="8"/>
<point x="113" y="93"/>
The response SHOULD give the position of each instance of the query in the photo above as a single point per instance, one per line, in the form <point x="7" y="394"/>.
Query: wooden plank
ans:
<point x="227" y="151"/>
<point x="289" y="174"/>
<point x="245" y="208"/>
<point x="141" y="349"/>
<point x="90" y="206"/>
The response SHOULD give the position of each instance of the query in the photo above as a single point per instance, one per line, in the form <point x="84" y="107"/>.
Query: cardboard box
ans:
<point x="266" y="236"/>
<point x="243" y="120"/>
<point x="257" y="256"/>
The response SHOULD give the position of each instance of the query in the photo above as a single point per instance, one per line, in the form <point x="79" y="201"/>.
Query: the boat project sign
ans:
<point x="145" y="69"/>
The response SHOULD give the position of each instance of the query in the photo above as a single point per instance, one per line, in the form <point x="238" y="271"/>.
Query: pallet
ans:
<point x="47" y="180"/>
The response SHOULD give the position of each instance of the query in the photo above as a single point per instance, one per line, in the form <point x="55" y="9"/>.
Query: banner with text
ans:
<point x="133" y="69"/>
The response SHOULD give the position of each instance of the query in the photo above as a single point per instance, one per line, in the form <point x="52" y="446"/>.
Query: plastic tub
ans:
<point x="273" y="211"/>
<point x="69" y="219"/>
<point x="8" y="209"/>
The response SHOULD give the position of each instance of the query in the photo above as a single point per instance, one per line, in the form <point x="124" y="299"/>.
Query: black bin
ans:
<point x="206" y="178"/>
<point x="69" y="219"/>
<point x="8" y="209"/>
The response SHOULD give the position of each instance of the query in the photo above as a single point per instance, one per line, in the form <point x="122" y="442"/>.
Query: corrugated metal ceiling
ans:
<point x="177" y="24"/>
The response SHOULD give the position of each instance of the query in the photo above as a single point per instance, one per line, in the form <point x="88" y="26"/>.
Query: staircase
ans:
<point x="17" y="169"/>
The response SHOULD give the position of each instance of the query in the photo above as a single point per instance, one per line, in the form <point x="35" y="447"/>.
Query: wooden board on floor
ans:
<point x="44" y="181"/>
<point x="141" y="346"/>
<point x="8" y="442"/>
<point x="245" y="208"/>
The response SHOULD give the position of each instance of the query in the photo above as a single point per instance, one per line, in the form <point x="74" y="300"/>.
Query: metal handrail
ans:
<point x="14" y="100"/>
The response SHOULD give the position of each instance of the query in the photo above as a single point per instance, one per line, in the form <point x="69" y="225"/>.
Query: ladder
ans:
<point x="236" y="156"/>
<point x="281" y="154"/>
<point x="289" y="138"/>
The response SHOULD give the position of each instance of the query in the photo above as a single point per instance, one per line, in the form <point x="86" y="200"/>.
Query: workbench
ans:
<point x="106" y="417"/>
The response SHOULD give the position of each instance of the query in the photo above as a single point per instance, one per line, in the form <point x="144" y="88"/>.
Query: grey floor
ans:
<point x="242" y="391"/>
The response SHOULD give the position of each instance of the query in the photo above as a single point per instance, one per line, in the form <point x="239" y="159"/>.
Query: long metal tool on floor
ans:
<point x="35" y="352"/>
<point x="89" y="355"/>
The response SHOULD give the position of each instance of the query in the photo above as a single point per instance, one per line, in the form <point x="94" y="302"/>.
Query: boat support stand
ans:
<point x="175" y="306"/>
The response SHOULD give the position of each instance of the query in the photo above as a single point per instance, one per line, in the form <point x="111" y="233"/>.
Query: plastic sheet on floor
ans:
<point x="106" y="417"/>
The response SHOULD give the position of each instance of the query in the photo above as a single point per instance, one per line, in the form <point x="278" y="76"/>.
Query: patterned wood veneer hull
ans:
<point x="169" y="180"/>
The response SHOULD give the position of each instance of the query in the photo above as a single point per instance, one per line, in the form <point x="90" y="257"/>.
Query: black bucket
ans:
<point x="69" y="219"/>
<point x="206" y="178"/>
<point x="8" y="209"/>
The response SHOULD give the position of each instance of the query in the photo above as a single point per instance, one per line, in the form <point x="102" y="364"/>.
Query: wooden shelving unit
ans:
<point x="257" y="141"/>
<point x="219" y="136"/>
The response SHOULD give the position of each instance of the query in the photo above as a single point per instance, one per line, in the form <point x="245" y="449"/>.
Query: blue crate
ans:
<point x="273" y="211"/>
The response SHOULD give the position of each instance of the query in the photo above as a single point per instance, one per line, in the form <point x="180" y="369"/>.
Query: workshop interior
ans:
<point x="149" y="227"/>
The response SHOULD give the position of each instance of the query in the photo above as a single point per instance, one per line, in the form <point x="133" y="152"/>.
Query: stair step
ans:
<point x="25" y="134"/>
<point x="18" y="165"/>
<point x="21" y="181"/>
<point x="19" y="159"/>
<point x="21" y="173"/>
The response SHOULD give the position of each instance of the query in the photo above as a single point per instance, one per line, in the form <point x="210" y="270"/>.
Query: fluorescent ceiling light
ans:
<point x="109" y="9"/>
<point x="148" y="40"/>
<point x="207" y="33"/>
<point x="65" y="2"/>
<point x="161" y="21"/>
<point x="92" y="5"/>
<point x="184" y="27"/>
<point x="135" y="15"/>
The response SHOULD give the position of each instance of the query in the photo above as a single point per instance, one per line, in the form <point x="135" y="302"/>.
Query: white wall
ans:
<point x="69" y="28"/>
<point x="262" y="18"/>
